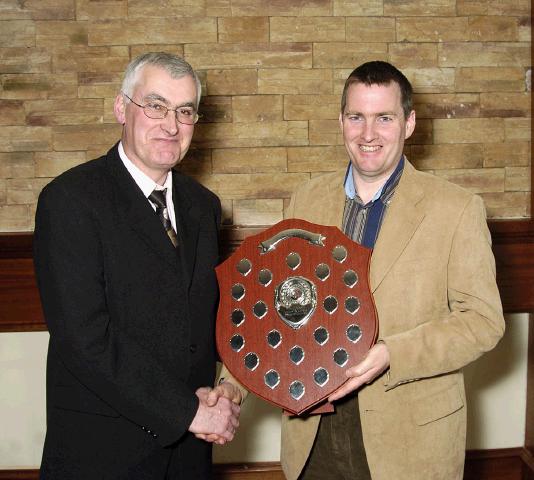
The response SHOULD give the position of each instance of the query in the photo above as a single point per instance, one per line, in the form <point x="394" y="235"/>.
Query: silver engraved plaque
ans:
<point x="295" y="312"/>
<point x="296" y="354"/>
<point x="330" y="304"/>
<point x="274" y="338"/>
<point x="260" y="309"/>
<point x="339" y="253"/>
<point x="321" y="335"/>
<point x="293" y="260"/>
<point x="238" y="317"/>
<point x="265" y="277"/>
<point x="252" y="361"/>
<point x="341" y="357"/>
<point x="244" y="266"/>
<point x="295" y="301"/>
<point x="322" y="271"/>
<point x="297" y="389"/>
<point x="350" y="278"/>
<point x="238" y="291"/>
<point x="354" y="333"/>
<point x="321" y="376"/>
<point x="272" y="379"/>
<point x="237" y="342"/>
<point x="352" y="305"/>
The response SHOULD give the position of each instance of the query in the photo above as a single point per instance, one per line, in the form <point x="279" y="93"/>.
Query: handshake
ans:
<point x="217" y="417"/>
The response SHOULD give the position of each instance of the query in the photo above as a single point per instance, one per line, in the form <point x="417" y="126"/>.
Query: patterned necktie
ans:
<point x="158" y="198"/>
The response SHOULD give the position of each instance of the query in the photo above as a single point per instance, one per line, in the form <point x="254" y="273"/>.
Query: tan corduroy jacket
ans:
<point x="432" y="276"/>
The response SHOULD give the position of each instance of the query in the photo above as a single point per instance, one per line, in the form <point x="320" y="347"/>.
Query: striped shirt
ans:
<point x="362" y="222"/>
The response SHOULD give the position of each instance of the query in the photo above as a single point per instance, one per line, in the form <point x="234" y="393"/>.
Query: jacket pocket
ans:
<point x="71" y="398"/>
<point x="437" y="405"/>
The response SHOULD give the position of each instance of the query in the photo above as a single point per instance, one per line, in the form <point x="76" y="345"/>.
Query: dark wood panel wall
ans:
<point x="20" y="310"/>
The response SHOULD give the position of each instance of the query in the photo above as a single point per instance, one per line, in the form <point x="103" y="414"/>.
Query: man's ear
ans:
<point x="410" y="125"/>
<point x="119" y="108"/>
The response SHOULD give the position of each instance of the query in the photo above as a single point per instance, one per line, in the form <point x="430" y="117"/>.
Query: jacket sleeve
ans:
<point x="73" y="283"/>
<point x="226" y="376"/>
<point x="473" y="322"/>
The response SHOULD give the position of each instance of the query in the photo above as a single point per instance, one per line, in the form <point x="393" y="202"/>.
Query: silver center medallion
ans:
<point x="295" y="301"/>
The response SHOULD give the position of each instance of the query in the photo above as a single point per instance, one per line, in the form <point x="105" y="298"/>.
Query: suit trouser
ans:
<point x="338" y="451"/>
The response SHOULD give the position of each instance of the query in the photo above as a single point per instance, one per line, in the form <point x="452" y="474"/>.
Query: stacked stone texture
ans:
<point x="272" y="73"/>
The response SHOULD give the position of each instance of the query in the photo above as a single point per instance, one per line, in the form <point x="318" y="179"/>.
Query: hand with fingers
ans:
<point x="227" y="390"/>
<point x="375" y="362"/>
<point x="217" y="417"/>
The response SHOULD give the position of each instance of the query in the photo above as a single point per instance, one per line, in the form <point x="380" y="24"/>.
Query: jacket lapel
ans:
<point x="333" y="204"/>
<point x="402" y="220"/>
<point x="135" y="210"/>
<point x="337" y="206"/>
<point x="188" y="217"/>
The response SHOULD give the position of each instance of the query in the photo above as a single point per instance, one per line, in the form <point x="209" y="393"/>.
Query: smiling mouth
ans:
<point x="370" y="148"/>
<point x="167" y="140"/>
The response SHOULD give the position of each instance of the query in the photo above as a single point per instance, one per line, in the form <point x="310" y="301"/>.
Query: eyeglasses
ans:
<point x="155" y="110"/>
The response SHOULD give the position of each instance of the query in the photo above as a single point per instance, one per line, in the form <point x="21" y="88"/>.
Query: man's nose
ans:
<point x="369" y="131"/>
<point x="170" y="123"/>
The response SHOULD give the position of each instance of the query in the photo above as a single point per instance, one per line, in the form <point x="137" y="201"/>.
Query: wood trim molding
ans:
<point x="513" y="247"/>
<point x="230" y="471"/>
<point x="531" y="131"/>
<point x="20" y="308"/>
<point x="528" y="465"/>
<point x="529" y="420"/>
<point x="248" y="471"/>
<point x="16" y="245"/>
<point x="19" y="474"/>
<point x="20" y="305"/>
<point x="498" y="464"/>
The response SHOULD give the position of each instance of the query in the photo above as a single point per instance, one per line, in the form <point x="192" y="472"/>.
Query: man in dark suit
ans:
<point x="125" y="250"/>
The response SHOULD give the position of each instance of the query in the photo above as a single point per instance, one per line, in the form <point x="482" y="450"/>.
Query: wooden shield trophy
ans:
<point x="295" y="311"/>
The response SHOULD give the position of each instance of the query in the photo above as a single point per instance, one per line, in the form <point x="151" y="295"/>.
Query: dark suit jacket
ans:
<point x="131" y="323"/>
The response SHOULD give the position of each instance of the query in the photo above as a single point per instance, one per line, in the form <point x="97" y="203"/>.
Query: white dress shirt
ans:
<point x="147" y="185"/>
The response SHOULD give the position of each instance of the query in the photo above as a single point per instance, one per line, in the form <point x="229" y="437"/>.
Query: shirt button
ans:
<point x="192" y="348"/>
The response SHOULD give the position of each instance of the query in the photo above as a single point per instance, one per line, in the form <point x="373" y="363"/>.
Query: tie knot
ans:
<point x="158" y="197"/>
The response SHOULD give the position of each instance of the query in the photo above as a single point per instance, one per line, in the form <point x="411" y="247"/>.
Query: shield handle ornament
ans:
<point x="295" y="312"/>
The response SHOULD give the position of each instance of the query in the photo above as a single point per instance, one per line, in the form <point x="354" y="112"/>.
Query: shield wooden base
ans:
<point x="295" y="312"/>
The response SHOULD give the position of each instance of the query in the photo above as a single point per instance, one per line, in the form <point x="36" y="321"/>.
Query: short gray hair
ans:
<point x="175" y="66"/>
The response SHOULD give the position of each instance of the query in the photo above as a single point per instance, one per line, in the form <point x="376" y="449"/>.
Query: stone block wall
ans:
<point x="272" y="73"/>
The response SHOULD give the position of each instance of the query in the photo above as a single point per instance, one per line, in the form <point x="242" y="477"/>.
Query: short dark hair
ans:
<point x="380" y="73"/>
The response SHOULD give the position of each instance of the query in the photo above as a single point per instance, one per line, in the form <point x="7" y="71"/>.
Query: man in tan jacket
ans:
<point x="402" y="413"/>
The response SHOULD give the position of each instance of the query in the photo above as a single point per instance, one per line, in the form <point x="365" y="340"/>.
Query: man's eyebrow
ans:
<point x="155" y="96"/>
<point x="187" y="104"/>
<point x="378" y="114"/>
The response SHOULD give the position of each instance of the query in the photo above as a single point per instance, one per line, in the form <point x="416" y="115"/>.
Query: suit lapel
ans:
<point x="188" y="218"/>
<point x="135" y="210"/>
<point x="332" y="204"/>
<point x="336" y="208"/>
<point x="402" y="220"/>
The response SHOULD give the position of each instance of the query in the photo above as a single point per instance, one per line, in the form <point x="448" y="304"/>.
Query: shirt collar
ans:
<point x="350" y="186"/>
<point x="145" y="183"/>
